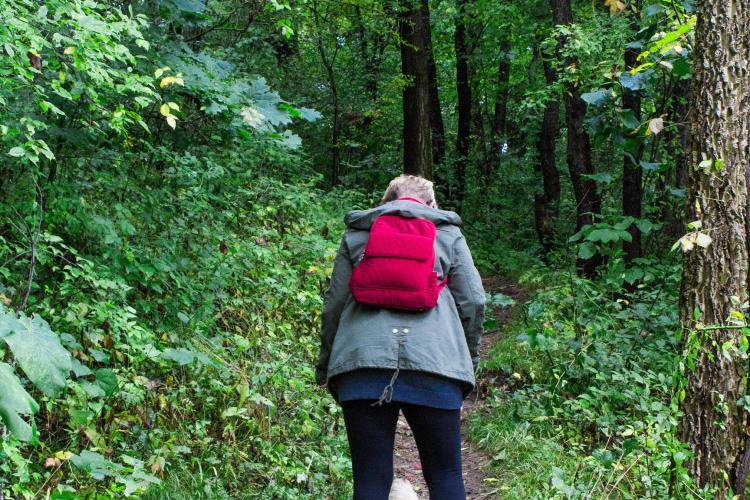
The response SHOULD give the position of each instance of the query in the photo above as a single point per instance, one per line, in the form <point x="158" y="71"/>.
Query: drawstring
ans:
<point x="387" y="391"/>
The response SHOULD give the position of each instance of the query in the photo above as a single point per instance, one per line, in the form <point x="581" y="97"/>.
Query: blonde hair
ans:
<point x="410" y="186"/>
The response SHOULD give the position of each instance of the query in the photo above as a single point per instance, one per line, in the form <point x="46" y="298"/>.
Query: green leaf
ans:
<point x="93" y="390"/>
<point x="629" y="120"/>
<point x="107" y="380"/>
<point x="14" y="402"/>
<point x="500" y="300"/>
<point x="190" y="6"/>
<point x="645" y="226"/>
<point x="607" y="235"/>
<point x="79" y="369"/>
<point x="651" y="167"/>
<point x="309" y="114"/>
<point x="596" y="97"/>
<point x="182" y="356"/>
<point x="17" y="152"/>
<point x="586" y="250"/>
<point x="37" y="350"/>
<point x="635" y="82"/>
<point x="95" y="464"/>
<point x="680" y="67"/>
<point x="633" y="274"/>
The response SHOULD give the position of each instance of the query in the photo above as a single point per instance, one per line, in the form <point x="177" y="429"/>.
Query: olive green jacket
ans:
<point x="443" y="340"/>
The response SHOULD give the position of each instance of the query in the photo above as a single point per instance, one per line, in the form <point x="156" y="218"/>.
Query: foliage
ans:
<point x="590" y="390"/>
<point x="165" y="239"/>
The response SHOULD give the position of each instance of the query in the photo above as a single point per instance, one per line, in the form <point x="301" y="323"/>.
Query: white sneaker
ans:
<point x="401" y="489"/>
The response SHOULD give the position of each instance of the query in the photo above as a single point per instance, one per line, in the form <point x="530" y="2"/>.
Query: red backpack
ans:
<point x="396" y="271"/>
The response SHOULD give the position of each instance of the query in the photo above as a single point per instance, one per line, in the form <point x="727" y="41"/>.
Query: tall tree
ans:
<point x="715" y="278"/>
<point x="500" y="116"/>
<point x="463" y="91"/>
<point x="436" y="116"/>
<point x="546" y="164"/>
<point x="414" y="34"/>
<point x="588" y="202"/>
<point x="323" y="24"/>
<point x="372" y="45"/>
<point x="632" y="175"/>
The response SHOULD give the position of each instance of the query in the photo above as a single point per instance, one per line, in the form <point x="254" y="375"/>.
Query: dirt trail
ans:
<point x="475" y="461"/>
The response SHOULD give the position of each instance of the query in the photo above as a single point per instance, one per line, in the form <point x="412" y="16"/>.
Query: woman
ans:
<point x="375" y="361"/>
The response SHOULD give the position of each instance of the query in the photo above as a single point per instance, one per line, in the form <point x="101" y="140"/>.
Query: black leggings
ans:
<point x="372" y="430"/>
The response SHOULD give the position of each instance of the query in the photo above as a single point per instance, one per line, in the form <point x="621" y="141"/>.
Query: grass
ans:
<point x="524" y="452"/>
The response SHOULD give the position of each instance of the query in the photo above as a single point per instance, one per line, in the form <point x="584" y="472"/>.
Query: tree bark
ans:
<point x="500" y="117"/>
<point x="436" y="116"/>
<point x="632" y="174"/>
<point x="547" y="166"/>
<point x="680" y="108"/>
<point x="548" y="138"/>
<point x="416" y="95"/>
<point x="588" y="202"/>
<point x="715" y="277"/>
<point x="463" y="91"/>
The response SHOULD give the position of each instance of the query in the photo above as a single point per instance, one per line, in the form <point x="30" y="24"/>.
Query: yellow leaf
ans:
<point x="614" y="5"/>
<point x="172" y="121"/>
<point x="164" y="110"/>
<point x="166" y="81"/>
<point x="69" y="50"/>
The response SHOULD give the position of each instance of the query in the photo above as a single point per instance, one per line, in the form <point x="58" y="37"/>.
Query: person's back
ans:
<point x="375" y="360"/>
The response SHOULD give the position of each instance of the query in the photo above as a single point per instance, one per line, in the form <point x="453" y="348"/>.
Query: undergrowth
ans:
<point x="195" y="288"/>
<point x="582" y="400"/>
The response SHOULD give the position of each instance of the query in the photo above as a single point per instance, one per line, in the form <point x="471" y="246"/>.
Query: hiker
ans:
<point x="417" y="351"/>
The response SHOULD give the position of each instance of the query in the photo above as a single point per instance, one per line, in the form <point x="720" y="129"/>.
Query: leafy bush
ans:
<point x="589" y="381"/>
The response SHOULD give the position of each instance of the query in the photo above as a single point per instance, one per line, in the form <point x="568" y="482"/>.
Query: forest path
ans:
<point x="406" y="459"/>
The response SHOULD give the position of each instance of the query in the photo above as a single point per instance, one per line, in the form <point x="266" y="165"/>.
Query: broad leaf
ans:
<point x="95" y="464"/>
<point x="106" y="380"/>
<point x="596" y="97"/>
<point x="181" y="355"/>
<point x="37" y="350"/>
<point x="635" y="82"/>
<point x="15" y="402"/>
<point x="607" y="235"/>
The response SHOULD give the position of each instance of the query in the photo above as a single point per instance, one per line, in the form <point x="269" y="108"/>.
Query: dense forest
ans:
<point x="173" y="180"/>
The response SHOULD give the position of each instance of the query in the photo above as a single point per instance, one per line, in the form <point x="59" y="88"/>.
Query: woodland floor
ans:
<point x="475" y="461"/>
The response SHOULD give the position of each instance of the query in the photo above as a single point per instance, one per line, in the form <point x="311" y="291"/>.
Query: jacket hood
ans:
<point x="363" y="219"/>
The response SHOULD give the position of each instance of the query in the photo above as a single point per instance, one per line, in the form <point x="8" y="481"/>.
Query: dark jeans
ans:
<point x="372" y="430"/>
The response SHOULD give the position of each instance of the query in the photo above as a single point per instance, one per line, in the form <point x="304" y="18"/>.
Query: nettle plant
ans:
<point x="605" y="238"/>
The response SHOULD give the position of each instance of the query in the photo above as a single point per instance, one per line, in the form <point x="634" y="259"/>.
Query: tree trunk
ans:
<point x="478" y="135"/>
<point x="436" y="116"/>
<point x="463" y="90"/>
<point x="632" y="175"/>
<point x="547" y="166"/>
<point x="416" y="107"/>
<point x="680" y="108"/>
<point x="547" y="139"/>
<point x="501" y="98"/>
<point x="329" y="62"/>
<point x="588" y="202"/>
<point x="715" y="279"/>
